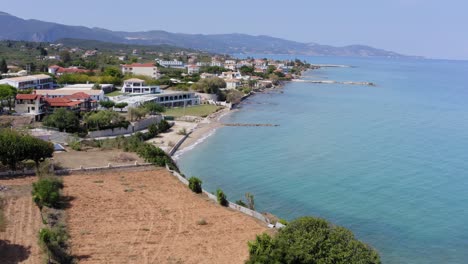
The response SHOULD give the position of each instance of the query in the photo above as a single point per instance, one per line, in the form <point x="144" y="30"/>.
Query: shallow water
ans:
<point x="388" y="162"/>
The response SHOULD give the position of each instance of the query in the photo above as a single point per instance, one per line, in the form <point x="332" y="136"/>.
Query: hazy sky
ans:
<point x="431" y="28"/>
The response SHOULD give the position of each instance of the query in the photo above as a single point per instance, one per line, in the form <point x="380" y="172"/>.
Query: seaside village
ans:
<point x="112" y="120"/>
<point x="131" y="92"/>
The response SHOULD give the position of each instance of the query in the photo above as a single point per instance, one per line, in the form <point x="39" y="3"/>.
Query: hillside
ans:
<point x="14" y="28"/>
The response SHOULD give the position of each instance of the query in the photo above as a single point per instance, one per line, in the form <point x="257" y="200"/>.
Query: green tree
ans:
<point x="311" y="240"/>
<point x="222" y="199"/>
<point x="153" y="107"/>
<point x="246" y="70"/>
<point x="105" y="119"/>
<point x="113" y="71"/>
<point x="107" y="104"/>
<point x="3" y="66"/>
<point x="12" y="148"/>
<point x="121" y="105"/>
<point x="8" y="95"/>
<point x="209" y="85"/>
<point x="65" y="56"/>
<point x="195" y="184"/>
<point x="46" y="192"/>
<point x="37" y="149"/>
<point x="234" y="96"/>
<point x="64" y="120"/>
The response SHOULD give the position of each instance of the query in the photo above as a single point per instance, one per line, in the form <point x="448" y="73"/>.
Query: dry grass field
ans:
<point x="148" y="216"/>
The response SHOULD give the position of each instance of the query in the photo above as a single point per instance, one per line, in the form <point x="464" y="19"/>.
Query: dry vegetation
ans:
<point x="148" y="216"/>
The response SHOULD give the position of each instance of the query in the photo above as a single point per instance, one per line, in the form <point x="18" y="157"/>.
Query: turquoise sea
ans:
<point x="388" y="162"/>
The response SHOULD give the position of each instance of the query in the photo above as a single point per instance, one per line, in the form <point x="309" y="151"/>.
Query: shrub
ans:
<point x="222" y="200"/>
<point x="241" y="203"/>
<point x="153" y="130"/>
<point x="163" y="126"/>
<point x="195" y="184"/>
<point x="182" y="132"/>
<point x="311" y="240"/>
<point x="46" y="192"/>
<point x="202" y="222"/>
<point x="54" y="241"/>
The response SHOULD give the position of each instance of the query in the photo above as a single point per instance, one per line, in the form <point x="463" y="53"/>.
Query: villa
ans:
<point x="138" y="86"/>
<point x="57" y="70"/>
<point x="96" y="95"/>
<point x="233" y="83"/>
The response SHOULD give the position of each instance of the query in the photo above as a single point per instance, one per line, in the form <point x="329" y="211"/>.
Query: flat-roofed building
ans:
<point x="167" y="99"/>
<point x="138" y="86"/>
<point x="146" y="69"/>
<point x="38" y="81"/>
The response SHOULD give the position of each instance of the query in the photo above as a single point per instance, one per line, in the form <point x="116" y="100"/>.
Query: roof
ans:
<point x="63" y="92"/>
<point x="28" y="78"/>
<point x="135" y="80"/>
<point x="71" y="70"/>
<point x="28" y="96"/>
<point x="139" y="65"/>
<point x="61" y="102"/>
<point x="79" y="96"/>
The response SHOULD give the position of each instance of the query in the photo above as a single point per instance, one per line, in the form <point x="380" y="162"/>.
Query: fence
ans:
<point x="80" y="169"/>
<point x="133" y="127"/>
<point x="234" y="206"/>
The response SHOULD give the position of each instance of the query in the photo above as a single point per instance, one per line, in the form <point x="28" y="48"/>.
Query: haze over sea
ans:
<point x="388" y="162"/>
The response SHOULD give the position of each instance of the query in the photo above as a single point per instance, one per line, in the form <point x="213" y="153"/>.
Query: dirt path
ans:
<point x="19" y="242"/>
<point x="150" y="217"/>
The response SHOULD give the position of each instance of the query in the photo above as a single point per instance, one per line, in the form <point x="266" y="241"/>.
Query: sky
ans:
<point x="430" y="28"/>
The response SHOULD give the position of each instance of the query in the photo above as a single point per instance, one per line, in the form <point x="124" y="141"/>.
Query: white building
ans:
<point x="171" y="63"/>
<point x="167" y="99"/>
<point x="138" y="86"/>
<point x="39" y="81"/>
<point x="146" y="69"/>
<point x="217" y="63"/>
<point x="231" y="75"/>
<point x="31" y="104"/>
<point x="193" y="69"/>
<point x="233" y="83"/>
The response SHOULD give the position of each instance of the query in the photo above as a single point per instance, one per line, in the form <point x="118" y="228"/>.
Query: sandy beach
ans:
<point x="199" y="130"/>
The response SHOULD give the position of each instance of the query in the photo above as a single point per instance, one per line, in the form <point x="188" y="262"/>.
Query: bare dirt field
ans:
<point x="148" y="216"/>
<point x="94" y="158"/>
<point x="19" y="242"/>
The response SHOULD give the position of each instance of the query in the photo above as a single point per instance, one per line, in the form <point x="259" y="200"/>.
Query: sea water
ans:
<point x="388" y="162"/>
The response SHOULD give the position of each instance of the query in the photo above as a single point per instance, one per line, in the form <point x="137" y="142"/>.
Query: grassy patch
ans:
<point x="114" y="93"/>
<point x="198" y="110"/>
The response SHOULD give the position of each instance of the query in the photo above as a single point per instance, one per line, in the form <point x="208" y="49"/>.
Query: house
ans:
<point x="171" y="63"/>
<point x="53" y="57"/>
<point x="231" y="75"/>
<point x="39" y="81"/>
<point x="60" y="102"/>
<point x="57" y="70"/>
<point x="216" y="64"/>
<point x="207" y="75"/>
<point x="96" y="95"/>
<point x="138" y="86"/>
<point x="233" y="83"/>
<point x="146" y="69"/>
<point x="193" y="69"/>
<point x="203" y="64"/>
<point x="90" y="53"/>
<point x="31" y="104"/>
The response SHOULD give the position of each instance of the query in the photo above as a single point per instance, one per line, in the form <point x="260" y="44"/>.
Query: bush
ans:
<point x="195" y="184"/>
<point x="46" y="192"/>
<point x="222" y="200"/>
<point x="163" y="126"/>
<point x="54" y="241"/>
<point x="311" y="240"/>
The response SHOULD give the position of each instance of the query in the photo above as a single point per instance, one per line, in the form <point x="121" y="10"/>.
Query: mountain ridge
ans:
<point x="15" y="28"/>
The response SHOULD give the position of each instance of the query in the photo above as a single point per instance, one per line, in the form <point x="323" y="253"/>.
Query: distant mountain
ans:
<point x="14" y="28"/>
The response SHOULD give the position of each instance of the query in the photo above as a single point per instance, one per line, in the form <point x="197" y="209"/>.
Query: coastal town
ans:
<point x="92" y="114"/>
